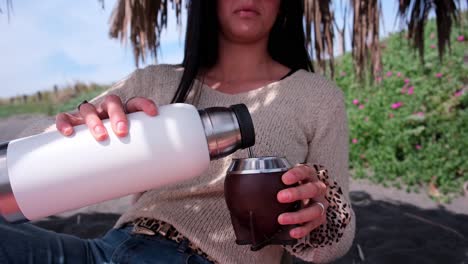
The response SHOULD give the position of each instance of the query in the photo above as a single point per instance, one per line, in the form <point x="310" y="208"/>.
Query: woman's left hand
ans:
<point x="311" y="192"/>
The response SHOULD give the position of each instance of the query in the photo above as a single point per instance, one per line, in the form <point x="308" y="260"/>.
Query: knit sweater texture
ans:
<point x="301" y="118"/>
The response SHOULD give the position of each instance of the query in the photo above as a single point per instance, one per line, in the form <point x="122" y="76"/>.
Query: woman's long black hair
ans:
<point x="286" y="42"/>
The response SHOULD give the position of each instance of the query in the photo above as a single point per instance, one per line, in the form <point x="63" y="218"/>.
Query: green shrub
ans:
<point x="50" y="105"/>
<point x="412" y="127"/>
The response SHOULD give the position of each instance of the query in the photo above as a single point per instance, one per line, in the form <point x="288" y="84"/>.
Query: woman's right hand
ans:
<point x="111" y="108"/>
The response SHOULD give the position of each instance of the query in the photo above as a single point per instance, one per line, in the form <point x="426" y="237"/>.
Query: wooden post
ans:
<point x="39" y="96"/>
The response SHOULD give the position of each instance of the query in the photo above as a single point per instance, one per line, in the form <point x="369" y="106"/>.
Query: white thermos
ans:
<point x="49" y="173"/>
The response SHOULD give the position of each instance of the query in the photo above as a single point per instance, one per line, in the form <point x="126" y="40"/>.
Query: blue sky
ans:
<point x="60" y="42"/>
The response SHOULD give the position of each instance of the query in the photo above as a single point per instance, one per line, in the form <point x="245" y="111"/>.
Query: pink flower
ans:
<point x="366" y="119"/>
<point x="411" y="90"/>
<point x="355" y="102"/>
<point x="461" y="38"/>
<point x="389" y="74"/>
<point x="403" y="89"/>
<point x="398" y="74"/>
<point x="439" y="75"/>
<point x="343" y="73"/>
<point x="355" y="141"/>
<point x="407" y="81"/>
<point x="378" y="79"/>
<point x="458" y="93"/>
<point x="361" y="106"/>
<point x="391" y="115"/>
<point x="420" y="114"/>
<point x="418" y="147"/>
<point x="397" y="105"/>
<point x="433" y="46"/>
<point x="432" y="35"/>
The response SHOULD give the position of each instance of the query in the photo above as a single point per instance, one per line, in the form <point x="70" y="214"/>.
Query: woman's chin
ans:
<point x="247" y="34"/>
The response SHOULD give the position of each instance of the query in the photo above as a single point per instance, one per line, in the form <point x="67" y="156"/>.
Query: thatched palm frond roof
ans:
<point x="319" y="27"/>
<point x="415" y="13"/>
<point x="365" y="40"/>
<point x="142" y="21"/>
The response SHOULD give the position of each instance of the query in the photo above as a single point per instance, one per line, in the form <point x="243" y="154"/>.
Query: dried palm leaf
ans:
<point x="342" y="29"/>
<point x="102" y="3"/>
<point x="415" y="14"/>
<point x="145" y="20"/>
<point x="365" y="40"/>
<point x="9" y="8"/>
<point x="319" y="15"/>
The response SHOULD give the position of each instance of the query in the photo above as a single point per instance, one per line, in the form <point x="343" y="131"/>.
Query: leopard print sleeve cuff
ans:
<point x="338" y="217"/>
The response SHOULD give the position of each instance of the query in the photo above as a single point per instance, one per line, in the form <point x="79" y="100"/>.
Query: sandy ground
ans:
<point x="393" y="226"/>
<point x="11" y="127"/>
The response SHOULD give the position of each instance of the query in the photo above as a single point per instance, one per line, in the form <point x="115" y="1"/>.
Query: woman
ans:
<point x="249" y="52"/>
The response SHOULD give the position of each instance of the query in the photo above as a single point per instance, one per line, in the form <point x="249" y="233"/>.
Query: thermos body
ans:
<point x="48" y="173"/>
<point x="60" y="171"/>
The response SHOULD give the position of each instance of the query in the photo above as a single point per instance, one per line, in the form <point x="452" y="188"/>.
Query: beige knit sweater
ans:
<point x="301" y="117"/>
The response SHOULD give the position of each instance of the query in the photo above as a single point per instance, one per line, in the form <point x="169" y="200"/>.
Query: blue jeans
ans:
<point x="26" y="243"/>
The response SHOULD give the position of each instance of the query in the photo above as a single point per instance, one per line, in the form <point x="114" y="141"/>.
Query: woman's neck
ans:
<point x="239" y="61"/>
<point x="242" y="66"/>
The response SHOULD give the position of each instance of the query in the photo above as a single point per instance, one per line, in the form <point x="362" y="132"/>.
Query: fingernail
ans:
<point x="67" y="131"/>
<point x="121" y="127"/>
<point x="323" y="185"/>
<point x="284" y="219"/>
<point x="295" y="233"/>
<point x="100" y="130"/>
<point x="289" y="177"/>
<point x="285" y="195"/>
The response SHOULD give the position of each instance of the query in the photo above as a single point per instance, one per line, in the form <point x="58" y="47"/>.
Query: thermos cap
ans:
<point x="258" y="165"/>
<point x="227" y="129"/>
<point x="245" y="124"/>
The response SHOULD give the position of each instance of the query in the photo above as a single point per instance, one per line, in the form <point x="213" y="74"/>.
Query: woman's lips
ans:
<point x="246" y="13"/>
